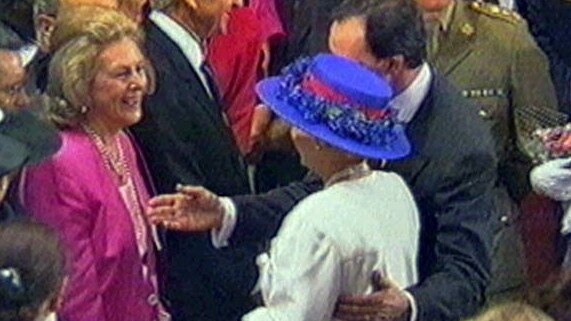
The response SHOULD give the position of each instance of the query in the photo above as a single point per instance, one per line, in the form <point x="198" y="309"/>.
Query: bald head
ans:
<point x="12" y="82"/>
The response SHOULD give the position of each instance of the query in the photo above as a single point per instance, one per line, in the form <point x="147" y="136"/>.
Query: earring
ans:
<point x="83" y="110"/>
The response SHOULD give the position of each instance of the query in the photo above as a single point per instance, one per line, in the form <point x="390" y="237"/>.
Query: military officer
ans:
<point x="488" y="53"/>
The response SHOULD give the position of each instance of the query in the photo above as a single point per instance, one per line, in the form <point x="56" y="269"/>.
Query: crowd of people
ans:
<point x="208" y="160"/>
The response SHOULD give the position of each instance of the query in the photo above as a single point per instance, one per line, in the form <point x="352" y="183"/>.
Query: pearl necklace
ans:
<point x="114" y="163"/>
<point x="350" y="173"/>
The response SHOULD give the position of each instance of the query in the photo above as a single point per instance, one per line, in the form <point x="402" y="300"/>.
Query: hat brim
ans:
<point x="269" y="90"/>
<point x="41" y="139"/>
<point x="13" y="155"/>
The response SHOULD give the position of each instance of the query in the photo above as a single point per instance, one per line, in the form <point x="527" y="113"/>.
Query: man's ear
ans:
<point x="193" y="4"/>
<point x="45" y="23"/>
<point x="394" y="64"/>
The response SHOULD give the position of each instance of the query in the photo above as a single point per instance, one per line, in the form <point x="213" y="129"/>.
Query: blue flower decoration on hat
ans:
<point x="340" y="102"/>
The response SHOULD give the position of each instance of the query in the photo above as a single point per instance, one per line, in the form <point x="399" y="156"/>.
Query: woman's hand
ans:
<point x="192" y="209"/>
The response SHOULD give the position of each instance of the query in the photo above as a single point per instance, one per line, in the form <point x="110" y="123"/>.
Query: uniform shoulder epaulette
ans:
<point x="496" y="11"/>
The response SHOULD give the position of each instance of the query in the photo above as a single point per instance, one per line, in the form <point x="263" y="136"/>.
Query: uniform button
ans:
<point x="504" y="219"/>
<point x="153" y="300"/>
<point x="483" y="113"/>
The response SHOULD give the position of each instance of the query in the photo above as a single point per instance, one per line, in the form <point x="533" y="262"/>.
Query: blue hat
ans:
<point x="340" y="102"/>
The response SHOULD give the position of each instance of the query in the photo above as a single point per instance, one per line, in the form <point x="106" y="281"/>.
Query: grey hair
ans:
<point x="163" y="4"/>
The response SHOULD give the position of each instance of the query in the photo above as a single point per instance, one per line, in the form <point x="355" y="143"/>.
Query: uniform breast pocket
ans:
<point x="491" y="104"/>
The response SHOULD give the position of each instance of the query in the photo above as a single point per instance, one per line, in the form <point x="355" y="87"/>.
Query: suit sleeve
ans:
<point x="259" y="216"/>
<point x="462" y="207"/>
<point x="59" y="202"/>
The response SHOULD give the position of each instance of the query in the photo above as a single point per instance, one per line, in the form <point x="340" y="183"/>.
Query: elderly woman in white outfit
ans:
<point x="363" y="221"/>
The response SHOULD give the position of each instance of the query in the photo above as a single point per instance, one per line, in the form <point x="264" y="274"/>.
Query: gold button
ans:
<point x="483" y="113"/>
<point x="495" y="9"/>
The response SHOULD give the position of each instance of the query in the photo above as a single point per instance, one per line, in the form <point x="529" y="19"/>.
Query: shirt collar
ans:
<point x="446" y="17"/>
<point x="188" y="42"/>
<point x="408" y="102"/>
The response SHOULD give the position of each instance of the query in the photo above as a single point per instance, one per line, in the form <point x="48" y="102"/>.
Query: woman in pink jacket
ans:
<point x="93" y="190"/>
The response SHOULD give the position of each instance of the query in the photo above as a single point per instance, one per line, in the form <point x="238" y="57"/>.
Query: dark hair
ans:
<point x="393" y="27"/>
<point x="11" y="42"/>
<point x="31" y="269"/>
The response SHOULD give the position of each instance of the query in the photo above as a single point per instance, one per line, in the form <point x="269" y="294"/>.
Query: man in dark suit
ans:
<point x="452" y="173"/>
<point x="185" y="140"/>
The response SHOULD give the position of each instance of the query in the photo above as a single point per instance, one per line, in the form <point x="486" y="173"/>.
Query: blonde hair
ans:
<point x="86" y="34"/>
<point x="75" y="21"/>
<point x="513" y="312"/>
<point x="112" y="4"/>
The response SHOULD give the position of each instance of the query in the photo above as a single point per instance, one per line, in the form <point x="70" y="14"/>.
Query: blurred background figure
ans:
<point x="236" y="59"/>
<point x="31" y="272"/>
<point x="16" y="24"/>
<point x="239" y="58"/>
<point x="513" y="312"/>
<point x="13" y="81"/>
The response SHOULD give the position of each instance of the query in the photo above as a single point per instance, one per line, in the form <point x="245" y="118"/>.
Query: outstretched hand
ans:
<point x="387" y="303"/>
<point x="191" y="209"/>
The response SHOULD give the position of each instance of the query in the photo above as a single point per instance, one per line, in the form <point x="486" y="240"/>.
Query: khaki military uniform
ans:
<point x="488" y="53"/>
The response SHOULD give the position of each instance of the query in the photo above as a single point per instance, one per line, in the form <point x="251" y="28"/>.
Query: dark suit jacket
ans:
<point x="549" y="22"/>
<point x="453" y="175"/>
<point x="185" y="140"/>
<point x="307" y="22"/>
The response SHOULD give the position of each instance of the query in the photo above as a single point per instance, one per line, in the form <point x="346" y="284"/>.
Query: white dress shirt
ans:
<point x="409" y="100"/>
<point x="331" y="243"/>
<point x="187" y="41"/>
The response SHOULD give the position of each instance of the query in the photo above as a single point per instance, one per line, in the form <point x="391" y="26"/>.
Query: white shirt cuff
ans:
<point x="413" y="308"/>
<point x="221" y="236"/>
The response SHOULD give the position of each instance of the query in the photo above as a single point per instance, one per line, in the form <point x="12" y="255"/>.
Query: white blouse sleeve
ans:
<point x="300" y="278"/>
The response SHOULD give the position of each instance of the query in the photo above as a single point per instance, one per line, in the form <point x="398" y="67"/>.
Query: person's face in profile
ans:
<point x="12" y="82"/>
<point x="211" y="15"/>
